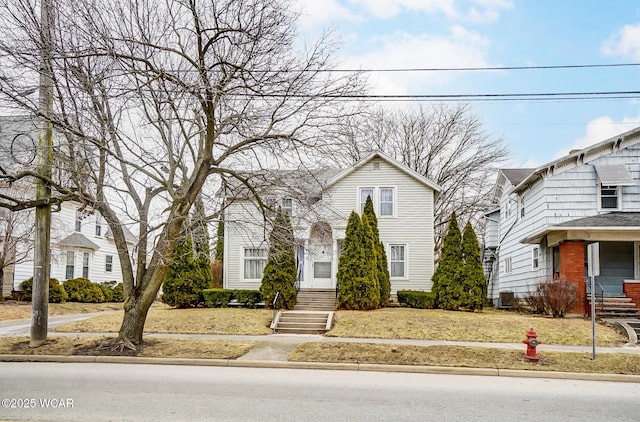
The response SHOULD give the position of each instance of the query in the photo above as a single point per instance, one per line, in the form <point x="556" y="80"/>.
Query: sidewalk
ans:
<point x="272" y="351"/>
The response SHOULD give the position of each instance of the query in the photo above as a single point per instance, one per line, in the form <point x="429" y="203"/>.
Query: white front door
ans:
<point x="321" y="265"/>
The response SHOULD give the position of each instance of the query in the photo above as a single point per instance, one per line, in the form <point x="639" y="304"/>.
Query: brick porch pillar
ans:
<point x="572" y="269"/>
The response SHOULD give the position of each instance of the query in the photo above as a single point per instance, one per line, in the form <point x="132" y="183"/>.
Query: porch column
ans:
<point x="572" y="269"/>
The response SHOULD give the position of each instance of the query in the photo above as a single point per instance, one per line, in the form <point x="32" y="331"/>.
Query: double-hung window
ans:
<point x="98" y="225"/>
<point x="254" y="262"/>
<point x="507" y="265"/>
<point x="70" y="267"/>
<point x="287" y="206"/>
<point x="85" y="264"/>
<point x="383" y="200"/>
<point x="609" y="197"/>
<point x="535" y="257"/>
<point x="78" y="226"/>
<point x="108" y="265"/>
<point x="398" y="261"/>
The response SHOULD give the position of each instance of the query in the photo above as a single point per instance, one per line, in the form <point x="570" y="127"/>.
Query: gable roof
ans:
<point x="129" y="237"/>
<point x="515" y="176"/>
<point x="412" y="173"/>
<point x="581" y="157"/>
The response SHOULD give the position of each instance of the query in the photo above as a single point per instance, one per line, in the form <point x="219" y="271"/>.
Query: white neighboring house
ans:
<point x="547" y="216"/>
<point x="404" y="205"/>
<point x="81" y="243"/>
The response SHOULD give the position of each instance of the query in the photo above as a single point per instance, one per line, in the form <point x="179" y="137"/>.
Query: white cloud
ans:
<point x="487" y="10"/>
<point x="314" y="13"/>
<point x="625" y="43"/>
<point x="460" y="48"/>
<point x="390" y="8"/>
<point x="601" y="129"/>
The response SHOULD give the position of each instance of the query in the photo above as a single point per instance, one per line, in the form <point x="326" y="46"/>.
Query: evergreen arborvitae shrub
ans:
<point x="382" y="268"/>
<point x="112" y="291"/>
<point x="280" y="271"/>
<point x="358" y="286"/>
<point x="473" y="278"/>
<point x="447" y="284"/>
<point x="185" y="279"/>
<point x="57" y="293"/>
<point x="83" y="290"/>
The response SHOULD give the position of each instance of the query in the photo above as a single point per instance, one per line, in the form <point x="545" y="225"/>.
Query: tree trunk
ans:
<point x="135" y="315"/>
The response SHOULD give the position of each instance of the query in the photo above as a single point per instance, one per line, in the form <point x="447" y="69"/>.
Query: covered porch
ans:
<point x="619" y="236"/>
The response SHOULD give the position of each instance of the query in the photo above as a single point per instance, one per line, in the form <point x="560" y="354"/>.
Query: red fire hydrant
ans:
<point x="532" y="342"/>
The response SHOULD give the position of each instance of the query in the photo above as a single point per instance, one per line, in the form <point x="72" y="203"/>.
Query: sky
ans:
<point x="401" y="34"/>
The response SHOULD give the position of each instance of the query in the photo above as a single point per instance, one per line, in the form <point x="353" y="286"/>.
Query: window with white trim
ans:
<point x="507" y="265"/>
<point x="386" y="201"/>
<point x="254" y="261"/>
<point x="108" y="264"/>
<point x="70" y="267"/>
<point x="535" y="257"/>
<point x="364" y="193"/>
<point x="287" y="206"/>
<point x="78" y="226"/>
<point x="397" y="261"/>
<point x="98" y="225"/>
<point x="609" y="197"/>
<point x="85" y="264"/>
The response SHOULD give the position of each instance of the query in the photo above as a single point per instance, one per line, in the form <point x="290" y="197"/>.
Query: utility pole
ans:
<point x="44" y="157"/>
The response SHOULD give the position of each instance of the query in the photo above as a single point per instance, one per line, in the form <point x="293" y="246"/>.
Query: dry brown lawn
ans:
<point x="462" y="356"/>
<point x="487" y="326"/>
<point x="154" y="347"/>
<point x="187" y="321"/>
<point x="11" y="309"/>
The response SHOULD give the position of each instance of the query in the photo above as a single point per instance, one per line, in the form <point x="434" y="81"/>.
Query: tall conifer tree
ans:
<point x="382" y="269"/>
<point x="472" y="272"/>
<point x="280" y="271"/>
<point x="447" y="278"/>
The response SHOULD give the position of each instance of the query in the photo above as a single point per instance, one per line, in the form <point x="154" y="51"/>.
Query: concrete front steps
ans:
<point x="302" y="322"/>
<point x="619" y="306"/>
<point x="316" y="300"/>
<point x="312" y="314"/>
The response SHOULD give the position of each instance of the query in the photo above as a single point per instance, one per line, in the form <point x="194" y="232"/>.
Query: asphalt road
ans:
<point x="118" y="392"/>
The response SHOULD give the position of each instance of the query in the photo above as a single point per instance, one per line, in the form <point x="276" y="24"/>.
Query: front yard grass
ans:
<point x="11" y="309"/>
<point x="186" y="321"/>
<point x="153" y="347"/>
<point x="487" y="326"/>
<point x="464" y="356"/>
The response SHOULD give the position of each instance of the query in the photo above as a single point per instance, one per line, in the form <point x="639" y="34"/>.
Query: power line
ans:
<point x="467" y="69"/>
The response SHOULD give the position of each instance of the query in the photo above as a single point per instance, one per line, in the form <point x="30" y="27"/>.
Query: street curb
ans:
<point x="366" y="367"/>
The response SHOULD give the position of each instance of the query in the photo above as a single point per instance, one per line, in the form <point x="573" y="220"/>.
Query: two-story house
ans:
<point x="319" y="207"/>
<point x="547" y="216"/>
<point x="81" y="242"/>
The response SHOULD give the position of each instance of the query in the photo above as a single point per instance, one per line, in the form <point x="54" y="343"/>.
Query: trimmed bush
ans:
<point x="250" y="298"/>
<point x="112" y="292"/>
<point x="217" y="298"/>
<point x="186" y="277"/>
<point x="57" y="293"/>
<point x="83" y="290"/>
<point x="415" y="299"/>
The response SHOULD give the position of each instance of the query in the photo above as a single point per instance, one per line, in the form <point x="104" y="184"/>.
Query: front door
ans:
<point x="322" y="267"/>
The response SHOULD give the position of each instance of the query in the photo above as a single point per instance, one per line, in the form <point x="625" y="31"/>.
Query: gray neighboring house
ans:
<point x="545" y="217"/>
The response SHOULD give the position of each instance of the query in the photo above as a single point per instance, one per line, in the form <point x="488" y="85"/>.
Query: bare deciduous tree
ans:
<point x="159" y="99"/>
<point x="446" y="144"/>
<point x="16" y="241"/>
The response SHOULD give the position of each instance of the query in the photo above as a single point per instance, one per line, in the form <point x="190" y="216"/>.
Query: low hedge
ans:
<point x="221" y="298"/>
<point x="83" y="290"/>
<point x="57" y="293"/>
<point x="416" y="299"/>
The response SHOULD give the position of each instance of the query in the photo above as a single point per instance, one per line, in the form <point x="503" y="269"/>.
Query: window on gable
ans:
<point x="386" y="201"/>
<point x="108" y="265"/>
<point x="78" y="226"/>
<point x="609" y="197"/>
<point x="521" y="205"/>
<point x="254" y="262"/>
<point x="70" y="267"/>
<point x="507" y="265"/>
<point x="535" y="257"/>
<point x="287" y="206"/>
<point x="397" y="261"/>
<point x="98" y="225"/>
<point x="364" y="193"/>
